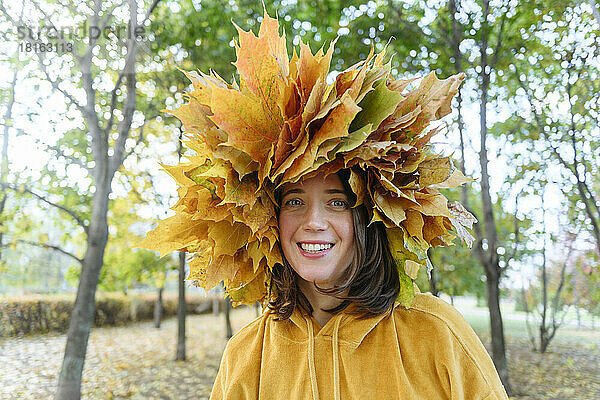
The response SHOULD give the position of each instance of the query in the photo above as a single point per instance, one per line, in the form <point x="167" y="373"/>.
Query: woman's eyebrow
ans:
<point x="335" y="191"/>
<point x="301" y="191"/>
<point x="292" y="191"/>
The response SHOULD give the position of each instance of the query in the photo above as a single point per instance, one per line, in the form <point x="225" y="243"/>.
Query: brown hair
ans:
<point x="371" y="279"/>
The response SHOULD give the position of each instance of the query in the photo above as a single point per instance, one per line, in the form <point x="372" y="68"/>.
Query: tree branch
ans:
<point x="8" y="123"/>
<point x="42" y="198"/>
<point x="592" y="198"/>
<point x="538" y="120"/>
<point x="113" y="104"/>
<point x="50" y="246"/>
<point x="581" y="182"/>
<point x="72" y="159"/>
<point x="113" y="100"/>
<point x="561" y="283"/>
<point x="48" y="18"/>
<point x="516" y="233"/>
<point x="137" y="142"/>
<point x="499" y="42"/>
<point x="398" y="10"/>
<point x="108" y="14"/>
<point x="149" y="11"/>
<point x="595" y="11"/>
<point x="116" y="159"/>
<point x="55" y="85"/>
<point x="7" y="15"/>
<point x="95" y="17"/>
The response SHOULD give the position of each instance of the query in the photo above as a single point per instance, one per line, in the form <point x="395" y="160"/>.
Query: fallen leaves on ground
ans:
<point x="130" y="362"/>
<point x="570" y="368"/>
<point x="136" y="362"/>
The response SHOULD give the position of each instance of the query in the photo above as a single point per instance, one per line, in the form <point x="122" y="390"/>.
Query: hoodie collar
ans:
<point x="351" y="330"/>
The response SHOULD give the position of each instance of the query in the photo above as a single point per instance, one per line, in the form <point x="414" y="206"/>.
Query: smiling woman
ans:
<point x="316" y="229"/>
<point x="321" y="201"/>
<point x="330" y="253"/>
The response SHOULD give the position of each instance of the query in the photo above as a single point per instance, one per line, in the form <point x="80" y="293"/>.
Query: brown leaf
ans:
<point x="221" y="268"/>
<point x="434" y="171"/>
<point x="433" y="204"/>
<point x="336" y="125"/>
<point x="414" y="223"/>
<point x="174" y="233"/>
<point x="390" y="206"/>
<point x="312" y="68"/>
<point x="433" y="227"/>
<point x="227" y="238"/>
<point x="454" y="180"/>
<point x="358" y="186"/>
<point x="262" y="63"/>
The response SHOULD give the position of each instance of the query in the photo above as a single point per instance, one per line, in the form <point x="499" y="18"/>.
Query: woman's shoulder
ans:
<point x="427" y="308"/>
<point x="435" y="329"/>
<point x="431" y="320"/>
<point x="251" y="332"/>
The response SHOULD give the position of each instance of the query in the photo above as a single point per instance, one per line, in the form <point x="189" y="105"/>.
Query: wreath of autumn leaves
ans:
<point x="283" y="122"/>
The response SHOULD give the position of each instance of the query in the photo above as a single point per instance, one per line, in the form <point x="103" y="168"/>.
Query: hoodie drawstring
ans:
<point x="336" y="361"/>
<point x="311" y="360"/>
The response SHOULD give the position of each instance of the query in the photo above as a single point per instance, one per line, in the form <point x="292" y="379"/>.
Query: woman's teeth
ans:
<point x="314" y="248"/>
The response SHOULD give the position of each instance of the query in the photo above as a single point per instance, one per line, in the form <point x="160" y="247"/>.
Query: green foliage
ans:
<point x="457" y="269"/>
<point x="124" y="266"/>
<point x="585" y="283"/>
<point x="551" y="86"/>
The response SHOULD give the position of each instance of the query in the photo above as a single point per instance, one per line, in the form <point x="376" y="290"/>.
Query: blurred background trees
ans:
<point x="525" y="128"/>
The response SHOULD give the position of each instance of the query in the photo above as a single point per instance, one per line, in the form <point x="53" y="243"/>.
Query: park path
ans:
<point x="129" y="362"/>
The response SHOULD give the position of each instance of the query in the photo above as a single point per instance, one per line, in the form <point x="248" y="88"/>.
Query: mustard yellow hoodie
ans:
<point x="427" y="352"/>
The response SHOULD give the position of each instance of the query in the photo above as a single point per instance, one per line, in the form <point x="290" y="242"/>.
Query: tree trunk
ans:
<point x="497" y="331"/>
<point x="215" y="306"/>
<point x="432" y="278"/>
<point x="576" y="300"/>
<point x="433" y="283"/>
<point x="228" y="329"/>
<point x="543" y="325"/>
<point x="257" y="309"/>
<point x="489" y="257"/>
<point x="158" y="308"/>
<point x="4" y="159"/>
<point x="82" y="317"/>
<point x="456" y="39"/>
<point x="181" y="310"/>
<point x="595" y="11"/>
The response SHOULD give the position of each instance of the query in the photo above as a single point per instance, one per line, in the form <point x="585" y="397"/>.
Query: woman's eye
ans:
<point x="293" y="202"/>
<point x="339" y="204"/>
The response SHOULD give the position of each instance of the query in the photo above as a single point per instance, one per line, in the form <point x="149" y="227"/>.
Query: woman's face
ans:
<point x="316" y="229"/>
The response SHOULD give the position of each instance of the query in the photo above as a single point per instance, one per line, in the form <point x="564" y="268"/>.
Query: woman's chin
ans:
<point x="320" y="280"/>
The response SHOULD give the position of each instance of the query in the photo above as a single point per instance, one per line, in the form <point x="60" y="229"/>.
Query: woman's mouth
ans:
<point x="315" y="248"/>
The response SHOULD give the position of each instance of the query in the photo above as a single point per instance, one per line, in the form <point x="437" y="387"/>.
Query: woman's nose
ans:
<point x="314" y="219"/>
